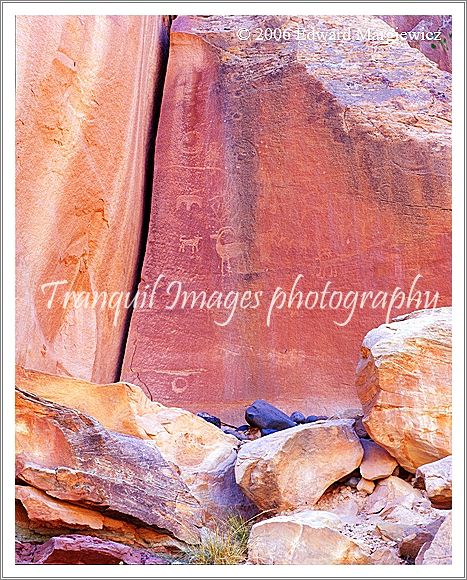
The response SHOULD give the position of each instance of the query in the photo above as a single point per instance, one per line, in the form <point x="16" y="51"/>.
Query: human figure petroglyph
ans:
<point x="228" y="251"/>
<point x="325" y="267"/>
<point x="188" y="200"/>
<point x="192" y="243"/>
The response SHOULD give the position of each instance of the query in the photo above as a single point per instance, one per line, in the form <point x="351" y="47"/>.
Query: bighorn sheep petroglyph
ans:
<point x="228" y="251"/>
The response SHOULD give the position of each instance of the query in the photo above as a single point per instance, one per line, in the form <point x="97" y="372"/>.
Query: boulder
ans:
<point x="366" y="485"/>
<point x="377" y="463"/>
<point x="368" y="151"/>
<point x="314" y="418"/>
<point x="210" y="418"/>
<point x="394" y="492"/>
<point x="81" y="549"/>
<point x="439" y="551"/>
<point x="298" y="417"/>
<point x="293" y="468"/>
<point x="404" y="384"/>
<point x="307" y="537"/>
<point x="266" y="417"/>
<point x="39" y="513"/>
<point x="72" y="457"/>
<point x="436" y="479"/>
<point x="86" y="85"/>
<point x="201" y="453"/>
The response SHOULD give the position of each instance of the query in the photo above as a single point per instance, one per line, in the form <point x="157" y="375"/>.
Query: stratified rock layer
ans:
<point x="329" y="159"/>
<point x="78" y="549"/>
<point x="404" y="383"/>
<point x="84" y="112"/>
<point x="201" y="453"/>
<point x="71" y="457"/>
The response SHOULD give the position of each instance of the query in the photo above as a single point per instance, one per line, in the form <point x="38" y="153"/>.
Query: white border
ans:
<point x="136" y="8"/>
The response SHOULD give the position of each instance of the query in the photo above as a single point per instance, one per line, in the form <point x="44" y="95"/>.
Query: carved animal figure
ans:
<point x="192" y="243"/>
<point x="228" y="251"/>
<point x="188" y="201"/>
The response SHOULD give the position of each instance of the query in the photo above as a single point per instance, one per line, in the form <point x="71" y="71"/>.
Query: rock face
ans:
<point x="43" y="515"/>
<point x="377" y="463"/>
<point x="71" y="457"/>
<point x="438" y="46"/>
<point x="342" y="151"/>
<point x="404" y="384"/>
<point x="439" y="551"/>
<point x="293" y="468"/>
<point x="85" y="96"/>
<point x="436" y="478"/>
<point x="201" y="453"/>
<point x="79" y="549"/>
<point x="308" y="537"/>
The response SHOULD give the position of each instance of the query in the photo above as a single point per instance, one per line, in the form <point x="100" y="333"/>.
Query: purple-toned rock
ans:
<point x="76" y="549"/>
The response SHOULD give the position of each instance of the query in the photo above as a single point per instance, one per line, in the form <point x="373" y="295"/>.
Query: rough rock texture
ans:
<point x="436" y="478"/>
<point x="71" y="457"/>
<point x="366" y="485"/>
<point x="308" y="537"/>
<point x="45" y="516"/>
<point x="202" y="454"/>
<point x="263" y="415"/>
<point x="437" y="49"/>
<point x="404" y="384"/>
<point x="377" y="463"/>
<point x="293" y="468"/>
<point x="439" y="551"/>
<point x="278" y="154"/>
<point x="84" y="113"/>
<point x="77" y="549"/>
<point x="398" y="511"/>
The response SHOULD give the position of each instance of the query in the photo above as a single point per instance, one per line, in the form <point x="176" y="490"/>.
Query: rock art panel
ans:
<point x="327" y="159"/>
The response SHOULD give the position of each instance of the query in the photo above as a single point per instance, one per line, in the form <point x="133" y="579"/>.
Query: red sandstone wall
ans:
<point x="331" y="160"/>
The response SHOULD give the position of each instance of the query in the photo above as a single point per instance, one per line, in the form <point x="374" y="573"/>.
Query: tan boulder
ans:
<point x="436" y="479"/>
<point x="439" y="551"/>
<point x="307" y="537"/>
<point x="366" y="485"/>
<point x="404" y="384"/>
<point x="392" y="492"/>
<point x="293" y="468"/>
<point x="39" y="513"/>
<point x="377" y="463"/>
<point x="204" y="456"/>
<point x="71" y="457"/>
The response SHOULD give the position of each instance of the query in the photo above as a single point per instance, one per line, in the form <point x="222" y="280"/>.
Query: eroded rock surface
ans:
<point x="404" y="383"/>
<point x="84" y="116"/>
<point x="201" y="454"/>
<point x="273" y="154"/>
<point x="293" y="468"/>
<point x="71" y="457"/>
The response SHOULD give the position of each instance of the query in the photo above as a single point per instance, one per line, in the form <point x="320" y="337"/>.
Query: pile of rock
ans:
<point x="106" y="475"/>
<point x="345" y="490"/>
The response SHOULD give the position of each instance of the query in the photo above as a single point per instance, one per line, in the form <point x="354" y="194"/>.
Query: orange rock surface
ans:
<point x="404" y="380"/>
<point x="202" y="454"/>
<point x="327" y="159"/>
<point x="84" y="118"/>
<point x="38" y="512"/>
<point x="71" y="457"/>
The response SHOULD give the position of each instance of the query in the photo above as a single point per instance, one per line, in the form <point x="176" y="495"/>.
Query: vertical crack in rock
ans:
<point x="148" y="177"/>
